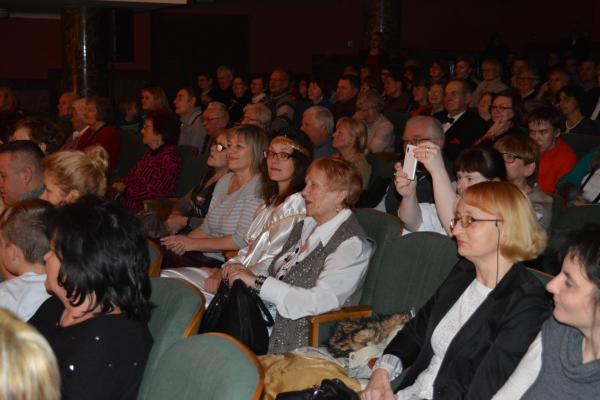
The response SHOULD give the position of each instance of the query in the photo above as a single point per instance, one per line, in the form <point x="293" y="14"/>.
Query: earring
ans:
<point x="338" y="209"/>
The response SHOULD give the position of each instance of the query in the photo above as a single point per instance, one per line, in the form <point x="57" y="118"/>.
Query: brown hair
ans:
<point x="341" y="175"/>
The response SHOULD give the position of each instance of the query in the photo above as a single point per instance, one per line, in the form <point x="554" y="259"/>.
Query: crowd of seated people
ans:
<point x="288" y="158"/>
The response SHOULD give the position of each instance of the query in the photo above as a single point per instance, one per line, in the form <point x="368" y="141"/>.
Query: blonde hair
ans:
<point x="78" y="170"/>
<point x="523" y="238"/>
<point x="357" y="130"/>
<point x="28" y="367"/>
<point x="256" y="139"/>
<point x="159" y="96"/>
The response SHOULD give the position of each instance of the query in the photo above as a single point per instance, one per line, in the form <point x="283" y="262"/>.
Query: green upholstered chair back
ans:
<point x="206" y="367"/>
<point x="581" y="144"/>
<point x="192" y="171"/>
<point x="178" y="308"/>
<point x="156" y="256"/>
<point x="542" y="276"/>
<point x="383" y="229"/>
<point x="413" y="267"/>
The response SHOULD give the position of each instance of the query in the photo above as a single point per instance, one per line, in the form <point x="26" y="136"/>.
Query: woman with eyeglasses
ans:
<point x="521" y="157"/>
<point x="465" y="342"/>
<point x="350" y="140"/>
<point x="507" y="111"/>
<point x="191" y="208"/>
<point x="234" y="202"/>
<point x="287" y="157"/>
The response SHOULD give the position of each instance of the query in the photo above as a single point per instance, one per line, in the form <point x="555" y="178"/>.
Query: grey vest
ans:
<point x="290" y="334"/>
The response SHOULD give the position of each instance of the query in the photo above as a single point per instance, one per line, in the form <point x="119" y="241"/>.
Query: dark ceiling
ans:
<point x="54" y="6"/>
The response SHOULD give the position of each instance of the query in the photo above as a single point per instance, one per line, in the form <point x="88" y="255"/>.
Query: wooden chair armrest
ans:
<point x="315" y="321"/>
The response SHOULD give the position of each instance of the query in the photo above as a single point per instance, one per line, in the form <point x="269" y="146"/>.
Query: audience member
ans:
<point x="318" y="124"/>
<point x="42" y="131"/>
<point x="155" y="175"/>
<point x="463" y="69"/>
<point x="350" y="141"/>
<point x="32" y="372"/>
<point x="215" y="118"/>
<point x="571" y="98"/>
<point x="23" y="244"/>
<point x="153" y="98"/>
<point x="205" y="86"/>
<point x="257" y="89"/>
<point x="584" y="178"/>
<point x="71" y="174"/>
<point x="438" y="70"/>
<point x="65" y="110"/>
<point x="492" y="73"/>
<point x="516" y="67"/>
<point x="98" y="114"/>
<point x="484" y="106"/>
<point x="420" y="102"/>
<point x="346" y="94"/>
<point x="241" y="97"/>
<point x="435" y="96"/>
<point x="556" y="157"/>
<point x="129" y="118"/>
<point x="527" y="81"/>
<point x="9" y="113"/>
<point x="79" y="125"/>
<point x="324" y="260"/>
<point x="257" y="114"/>
<point x="235" y="200"/>
<point x="371" y="83"/>
<point x="548" y="92"/>
<point x="96" y="320"/>
<point x="223" y="93"/>
<point x="191" y="131"/>
<point x="587" y="74"/>
<point x="21" y="174"/>
<point x="507" y="112"/>
<point x="462" y="126"/>
<point x="375" y="57"/>
<point x="450" y="344"/>
<point x="521" y="158"/>
<point x="395" y="92"/>
<point x="280" y="101"/>
<point x="380" y="130"/>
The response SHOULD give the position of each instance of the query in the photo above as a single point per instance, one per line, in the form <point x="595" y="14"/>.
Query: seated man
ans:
<point x="346" y="93"/>
<point x="317" y="123"/>
<point x="557" y="158"/>
<point x="187" y="107"/>
<point x="23" y="245"/>
<point x="380" y="130"/>
<point x="21" y="173"/>
<point x="395" y="90"/>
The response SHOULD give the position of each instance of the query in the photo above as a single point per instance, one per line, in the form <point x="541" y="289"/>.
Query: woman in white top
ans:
<point x="288" y="158"/>
<point x="323" y="262"/>
<point x="235" y="200"/>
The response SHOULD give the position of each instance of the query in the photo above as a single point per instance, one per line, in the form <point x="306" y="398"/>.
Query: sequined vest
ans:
<point x="289" y="334"/>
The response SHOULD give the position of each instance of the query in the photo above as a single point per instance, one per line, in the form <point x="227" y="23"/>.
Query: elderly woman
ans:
<point x="469" y="337"/>
<point x="98" y="114"/>
<point x="323" y="262"/>
<point x="570" y="101"/>
<point x="288" y="157"/>
<point x="71" y="174"/>
<point x="350" y="140"/>
<point x="155" y="175"/>
<point x="96" y="320"/>
<point x="564" y="360"/>
<point x="235" y="200"/>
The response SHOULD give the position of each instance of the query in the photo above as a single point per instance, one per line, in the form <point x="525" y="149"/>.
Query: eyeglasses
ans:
<point x="219" y="147"/>
<point x="283" y="156"/>
<point x="510" y="157"/>
<point x="467" y="220"/>
<point x="416" y="142"/>
<point x="501" y="108"/>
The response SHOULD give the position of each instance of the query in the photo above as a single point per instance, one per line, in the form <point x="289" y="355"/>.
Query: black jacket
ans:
<point x="487" y="349"/>
<point x="463" y="133"/>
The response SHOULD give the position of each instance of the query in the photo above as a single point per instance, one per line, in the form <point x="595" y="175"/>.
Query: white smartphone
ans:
<point x="410" y="162"/>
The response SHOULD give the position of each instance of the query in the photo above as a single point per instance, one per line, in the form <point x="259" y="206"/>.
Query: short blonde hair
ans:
<point x="78" y="170"/>
<point x="523" y="238"/>
<point x="28" y="370"/>
<point x="341" y="175"/>
<point x="357" y="130"/>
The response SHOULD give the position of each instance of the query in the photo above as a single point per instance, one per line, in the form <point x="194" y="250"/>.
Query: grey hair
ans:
<point x="219" y="107"/>
<point x="323" y="116"/>
<point x="370" y="100"/>
<point x="432" y="125"/>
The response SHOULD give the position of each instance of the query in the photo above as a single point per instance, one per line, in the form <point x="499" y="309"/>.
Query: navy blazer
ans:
<point x="488" y="347"/>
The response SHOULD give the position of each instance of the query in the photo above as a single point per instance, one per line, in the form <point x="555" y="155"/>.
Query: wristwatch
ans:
<point x="258" y="282"/>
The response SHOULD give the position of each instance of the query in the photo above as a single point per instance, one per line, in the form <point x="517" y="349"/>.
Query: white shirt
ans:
<point x="341" y="276"/>
<point x="24" y="294"/>
<point x="447" y="125"/>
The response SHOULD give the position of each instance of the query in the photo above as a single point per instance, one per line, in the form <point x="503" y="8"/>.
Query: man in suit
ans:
<point x="462" y="126"/>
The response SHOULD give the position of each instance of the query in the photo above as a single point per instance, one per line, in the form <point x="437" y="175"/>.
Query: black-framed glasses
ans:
<point x="510" y="157"/>
<point x="467" y="220"/>
<point x="282" y="156"/>
<point x="416" y="142"/>
<point x="501" y="108"/>
<point x="219" y="147"/>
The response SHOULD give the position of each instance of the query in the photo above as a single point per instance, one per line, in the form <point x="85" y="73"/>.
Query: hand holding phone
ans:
<point x="410" y="162"/>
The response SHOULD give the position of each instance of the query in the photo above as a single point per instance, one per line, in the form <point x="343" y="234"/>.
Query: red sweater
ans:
<point x="107" y="137"/>
<point x="554" y="164"/>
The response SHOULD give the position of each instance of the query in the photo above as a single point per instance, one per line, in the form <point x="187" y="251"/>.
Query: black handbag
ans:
<point x="239" y="312"/>
<point x="330" y="389"/>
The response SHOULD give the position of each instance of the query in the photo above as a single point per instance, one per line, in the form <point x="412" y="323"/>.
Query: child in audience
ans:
<point x="23" y="243"/>
<point x="557" y="158"/>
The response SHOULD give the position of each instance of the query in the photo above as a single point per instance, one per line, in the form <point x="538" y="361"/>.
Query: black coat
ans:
<point x="463" y="133"/>
<point x="488" y="347"/>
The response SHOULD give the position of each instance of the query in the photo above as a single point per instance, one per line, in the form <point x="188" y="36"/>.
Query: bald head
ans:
<point x="423" y="128"/>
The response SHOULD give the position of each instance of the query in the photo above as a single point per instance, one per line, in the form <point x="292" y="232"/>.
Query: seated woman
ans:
<point x="153" y="98"/>
<point x="96" y="320"/>
<point x="521" y="158"/>
<point x="98" y="115"/>
<point x="472" y="166"/>
<point x="23" y="244"/>
<point x="469" y="337"/>
<point x="564" y="360"/>
<point x="350" y="140"/>
<point x="155" y="175"/>
<point x="32" y="372"/>
<point x="191" y="208"/>
<point x="235" y="200"/>
<point x="571" y="98"/>
<point x="288" y="158"/>
<point x="483" y="106"/>
<point x="581" y="185"/>
<point x="71" y="174"/>
<point x="435" y="96"/>
<point x="324" y="260"/>
<point x="507" y="113"/>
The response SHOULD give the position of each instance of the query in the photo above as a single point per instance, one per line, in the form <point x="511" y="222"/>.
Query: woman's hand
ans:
<point x="211" y="284"/>
<point x="404" y="186"/>
<point x="379" y="387"/>
<point x="178" y="244"/>
<point x="175" y="223"/>
<point x="430" y="155"/>
<point x="238" y="271"/>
